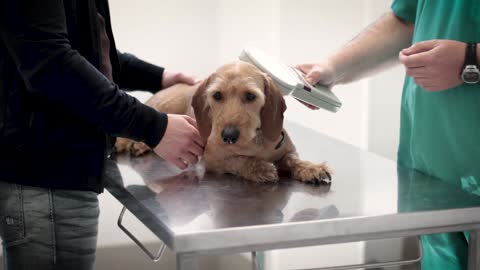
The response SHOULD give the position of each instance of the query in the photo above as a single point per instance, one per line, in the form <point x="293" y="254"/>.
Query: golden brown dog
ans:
<point x="240" y="110"/>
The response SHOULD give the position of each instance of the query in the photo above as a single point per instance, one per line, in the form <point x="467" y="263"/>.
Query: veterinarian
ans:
<point x="436" y="41"/>
<point x="60" y="101"/>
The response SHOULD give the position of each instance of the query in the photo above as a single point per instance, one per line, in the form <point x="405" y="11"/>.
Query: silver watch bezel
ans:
<point x="471" y="69"/>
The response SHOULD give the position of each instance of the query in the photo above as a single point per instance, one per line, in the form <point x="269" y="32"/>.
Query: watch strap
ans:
<point x="471" y="55"/>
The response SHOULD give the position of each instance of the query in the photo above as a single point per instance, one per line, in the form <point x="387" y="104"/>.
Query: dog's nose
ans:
<point x="230" y="134"/>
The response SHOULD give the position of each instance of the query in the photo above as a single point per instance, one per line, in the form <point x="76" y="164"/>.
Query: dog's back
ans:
<point x="174" y="100"/>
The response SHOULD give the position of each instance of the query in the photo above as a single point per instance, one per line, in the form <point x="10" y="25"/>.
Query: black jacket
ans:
<point x="57" y="110"/>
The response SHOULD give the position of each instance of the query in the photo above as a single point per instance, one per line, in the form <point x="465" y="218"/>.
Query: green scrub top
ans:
<point x="440" y="131"/>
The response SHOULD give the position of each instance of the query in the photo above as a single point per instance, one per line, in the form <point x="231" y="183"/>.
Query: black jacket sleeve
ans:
<point x="36" y="37"/>
<point x="137" y="74"/>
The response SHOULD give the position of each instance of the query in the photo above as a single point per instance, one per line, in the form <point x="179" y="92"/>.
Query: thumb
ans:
<point x="314" y="76"/>
<point x="420" y="47"/>
<point x="304" y="68"/>
<point x="190" y="120"/>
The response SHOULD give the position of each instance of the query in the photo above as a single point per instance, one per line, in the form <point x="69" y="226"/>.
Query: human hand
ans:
<point x="171" y="78"/>
<point x="435" y="65"/>
<point x="181" y="144"/>
<point x="321" y="73"/>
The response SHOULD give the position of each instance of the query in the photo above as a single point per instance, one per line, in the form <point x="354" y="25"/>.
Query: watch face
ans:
<point x="471" y="77"/>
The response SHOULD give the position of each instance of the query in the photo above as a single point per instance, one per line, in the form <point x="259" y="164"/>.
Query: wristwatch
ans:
<point x="470" y="73"/>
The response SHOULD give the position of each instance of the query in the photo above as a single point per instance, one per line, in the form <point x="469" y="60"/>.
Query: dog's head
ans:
<point x="238" y="102"/>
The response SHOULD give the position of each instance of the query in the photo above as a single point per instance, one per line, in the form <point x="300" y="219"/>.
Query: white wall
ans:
<point x="384" y="95"/>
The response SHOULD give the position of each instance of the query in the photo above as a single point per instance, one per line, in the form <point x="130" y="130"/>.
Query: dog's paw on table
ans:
<point x="312" y="173"/>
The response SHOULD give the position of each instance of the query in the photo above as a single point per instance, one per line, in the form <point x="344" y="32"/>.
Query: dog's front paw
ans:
<point x="312" y="173"/>
<point x="139" y="148"/>
<point x="262" y="172"/>
<point x="122" y="145"/>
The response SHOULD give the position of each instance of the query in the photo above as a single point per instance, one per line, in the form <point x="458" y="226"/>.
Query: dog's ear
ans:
<point x="201" y="109"/>
<point x="272" y="112"/>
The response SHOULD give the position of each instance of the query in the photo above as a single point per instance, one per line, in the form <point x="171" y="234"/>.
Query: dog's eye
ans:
<point x="250" y="97"/>
<point x="217" y="96"/>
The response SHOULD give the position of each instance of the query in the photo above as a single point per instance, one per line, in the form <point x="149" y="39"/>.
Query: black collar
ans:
<point x="281" y="141"/>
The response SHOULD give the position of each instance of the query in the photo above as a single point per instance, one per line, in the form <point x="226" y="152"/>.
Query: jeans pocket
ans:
<point x="12" y="226"/>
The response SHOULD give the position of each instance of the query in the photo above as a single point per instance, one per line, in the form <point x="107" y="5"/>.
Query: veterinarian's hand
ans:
<point x="321" y="73"/>
<point x="435" y="65"/>
<point x="181" y="144"/>
<point x="171" y="78"/>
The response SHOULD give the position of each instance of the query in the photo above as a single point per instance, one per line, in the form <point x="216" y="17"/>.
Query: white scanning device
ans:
<point x="291" y="81"/>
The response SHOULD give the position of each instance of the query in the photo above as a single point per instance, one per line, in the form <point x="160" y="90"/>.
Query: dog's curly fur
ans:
<point x="250" y="102"/>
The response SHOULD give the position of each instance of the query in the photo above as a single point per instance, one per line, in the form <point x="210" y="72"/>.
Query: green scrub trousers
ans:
<point x="440" y="131"/>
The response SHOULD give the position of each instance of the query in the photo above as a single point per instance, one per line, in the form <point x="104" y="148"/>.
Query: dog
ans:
<point x="239" y="110"/>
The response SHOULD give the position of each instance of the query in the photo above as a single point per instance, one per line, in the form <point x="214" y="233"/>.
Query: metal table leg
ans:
<point x="474" y="250"/>
<point x="255" y="263"/>
<point x="154" y="257"/>
<point x="257" y="266"/>
<point x="186" y="262"/>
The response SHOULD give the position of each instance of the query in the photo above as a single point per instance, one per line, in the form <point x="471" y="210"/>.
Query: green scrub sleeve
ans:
<point x="405" y="9"/>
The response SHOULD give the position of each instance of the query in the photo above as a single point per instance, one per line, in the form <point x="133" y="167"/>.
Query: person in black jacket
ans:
<point x="60" y="104"/>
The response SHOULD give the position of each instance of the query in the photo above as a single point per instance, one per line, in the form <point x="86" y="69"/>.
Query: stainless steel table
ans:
<point x="370" y="198"/>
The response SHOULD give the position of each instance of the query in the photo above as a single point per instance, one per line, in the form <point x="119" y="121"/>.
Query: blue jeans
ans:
<point x="48" y="229"/>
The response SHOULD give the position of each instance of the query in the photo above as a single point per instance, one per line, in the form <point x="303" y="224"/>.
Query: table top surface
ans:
<point x="370" y="197"/>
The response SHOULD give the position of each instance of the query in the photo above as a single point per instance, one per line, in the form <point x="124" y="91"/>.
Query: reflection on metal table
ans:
<point x="370" y="198"/>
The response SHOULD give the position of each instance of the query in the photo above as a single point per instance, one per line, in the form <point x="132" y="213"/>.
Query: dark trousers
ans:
<point x="48" y="229"/>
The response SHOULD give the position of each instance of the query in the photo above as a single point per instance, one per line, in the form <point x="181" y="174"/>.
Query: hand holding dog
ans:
<point x="435" y="65"/>
<point x="171" y="78"/>
<point x="181" y="144"/>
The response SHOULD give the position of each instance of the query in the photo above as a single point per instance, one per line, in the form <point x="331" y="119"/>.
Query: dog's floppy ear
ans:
<point x="201" y="109"/>
<point x="272" y="112"/>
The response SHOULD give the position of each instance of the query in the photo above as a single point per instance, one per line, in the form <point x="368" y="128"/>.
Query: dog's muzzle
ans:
<point x="230" y="134"/>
